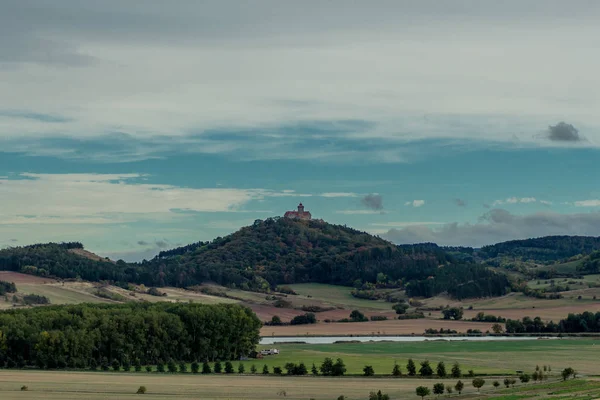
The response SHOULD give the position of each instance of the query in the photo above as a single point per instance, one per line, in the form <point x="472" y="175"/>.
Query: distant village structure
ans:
<point x="300" y="214"/>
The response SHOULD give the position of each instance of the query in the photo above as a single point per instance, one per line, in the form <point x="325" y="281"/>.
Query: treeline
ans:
<point x="181" y="250"/>
<point x="549" y="248"/>
<point x="7" y="287"/>
<point x="461" y="282"/>
<point x="86" y="335"/>
<point x="574" y="323"/>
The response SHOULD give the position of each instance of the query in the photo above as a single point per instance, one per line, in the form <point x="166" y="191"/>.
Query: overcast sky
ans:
<point x="221" y="108"/>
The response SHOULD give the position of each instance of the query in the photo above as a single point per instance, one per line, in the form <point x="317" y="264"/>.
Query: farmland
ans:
<point x="99" y="385"/>
<point x="491" y="357"/>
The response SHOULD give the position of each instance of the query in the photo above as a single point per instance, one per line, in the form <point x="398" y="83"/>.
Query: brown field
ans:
<point x="17" y="278"/>
<point x="390" y="327"/>
<point x="100" y="385"/>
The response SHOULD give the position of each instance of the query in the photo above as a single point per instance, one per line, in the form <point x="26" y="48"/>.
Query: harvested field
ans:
<point x="17" y="278"/>
<point x="390" y="327"/>
<point x="101" y="385"/>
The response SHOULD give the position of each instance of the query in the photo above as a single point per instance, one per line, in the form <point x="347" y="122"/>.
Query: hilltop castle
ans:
<point x="300" y="214"/>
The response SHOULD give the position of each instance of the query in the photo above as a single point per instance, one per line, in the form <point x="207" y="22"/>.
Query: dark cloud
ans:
<point x="563" y="132"/>
<point x="13" y="240"/>
<point x="143" y="243"/>
<point x="161" y="244"/>
<point x="460" y="202"/>
<point x="499" y="225"/>
<point x="373" y="201"/>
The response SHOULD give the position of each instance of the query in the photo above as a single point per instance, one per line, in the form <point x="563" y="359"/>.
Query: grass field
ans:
<point x="491" y="357"/>
<point x="338" y="296"/>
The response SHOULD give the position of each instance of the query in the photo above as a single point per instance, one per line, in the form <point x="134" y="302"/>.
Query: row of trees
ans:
<point x="574" y="323"/>
<point x="81" y="336"/>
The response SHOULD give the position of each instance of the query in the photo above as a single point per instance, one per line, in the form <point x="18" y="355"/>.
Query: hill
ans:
<point x="273" y="252"/>
<point x="547" y="249"/>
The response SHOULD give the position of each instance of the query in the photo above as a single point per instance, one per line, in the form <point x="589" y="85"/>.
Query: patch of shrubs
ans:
<point x="413" y="315"/>
<point x="378" y="318"/>
<point x="308" y="318"/>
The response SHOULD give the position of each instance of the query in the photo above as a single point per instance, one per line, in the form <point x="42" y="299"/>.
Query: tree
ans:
<point x="400" y="308"/>
<point x="357" y="316"/>
<point x="290" y="368"/>
<point x="301" y="369"/>
<point x="496" y="384"/>
<point x="327" y="367"/>
<point x="368" y="370"/>
<point x="567" y="372"/>
<point x="449" y="389"/>
<point x="456" y="372"/>
<point x="160" y="366"/>
<point x="137" y="365"/>
<point x="396" y="370"/>
<point x="275" y="320"/>
<point x="126" y="364"/>
<point x="439" y="388"/>
<point x="507" y="382"/>
<point x="441" y="369"/>
<point x="513" y="381"/>
<point x="195" y="367"/>
<point x="241" y="369"/>
<point x="471" y="373"/>
<point x="423" y="391"/>
<point x="116" y="366"/>
<point x="265" y="370"/>
<point x="524" y="378"/>
<point x="455" y="313"/>
<point x="339" y="368"/>
<point x="218" y="368"/>
<point x="478" y="383"/>
<point x="426" y="369"/>
<point x="253" y="369"/>
<point x="182" y="367"/>
<point x="411" y="367"/>
<point x="378" y="396"/>
<point x="314" y="370"/>
<point x="206" y="368"/>
<point x="228" y="367"/>
<point x="277" y="370"/>
<point x="148" y="368"/>
<point x="171" y="366"/>
<point x="459" y="387"/>
<point x="497" y="328"/>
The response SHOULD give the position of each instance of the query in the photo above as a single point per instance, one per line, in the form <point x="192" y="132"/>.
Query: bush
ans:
<point x="378" y="396"/>
<point x="24" y="388"/>
<point x="378" y="318"/>
<point x="425" y="369"/>
<point x="357" y="316"/>
<point x="277" y="370"/>
<point x="396" y="370"/>
<point x="308" y="318"/>
<point x="182" y="367"/>
<point x="160" y="366"/>
<point x="141" y="390"/>
<point x="423" y="391"/>
<point x="241" y="369"/>
<point x="439" y="388"/>
<point x="265" y="370"/>
<point x="148" y="368"/>
<point x="171" y="366"/>
<point x="116" y="366"/>
<point x="253" y="369"/>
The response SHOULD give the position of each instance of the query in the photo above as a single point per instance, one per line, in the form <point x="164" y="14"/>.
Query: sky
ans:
<point x="138" y="126"/>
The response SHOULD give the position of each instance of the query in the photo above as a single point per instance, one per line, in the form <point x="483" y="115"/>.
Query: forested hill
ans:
<point x="544" y="249"/>
<point x="273" y="252"/>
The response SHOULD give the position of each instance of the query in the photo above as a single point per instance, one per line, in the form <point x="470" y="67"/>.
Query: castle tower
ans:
<point x="300" y="209"/>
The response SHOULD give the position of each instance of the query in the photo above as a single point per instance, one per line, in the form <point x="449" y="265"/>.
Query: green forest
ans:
<point x="93" y="335"/>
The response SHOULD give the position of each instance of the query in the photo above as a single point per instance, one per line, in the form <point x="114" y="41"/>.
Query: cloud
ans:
<point x="415" y="203"/>
<point x="96" y="199"/>
<point x="101" y="52"/>
<point x="373" y="201"/>
<point x="499" y="225"/>
<point x="338" y="194"/>
<point x="516" y="200"/>
<point x="162" y="244"/>
<point x="143" y="243"/>
<point x="460" y="202"/>
<point x="587" y="203"/>
<point x="563" y="132"/>
<point x="360" y="212"/>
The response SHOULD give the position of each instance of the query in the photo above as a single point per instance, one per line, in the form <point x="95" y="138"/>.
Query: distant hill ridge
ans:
<point x="280" y="251"/>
